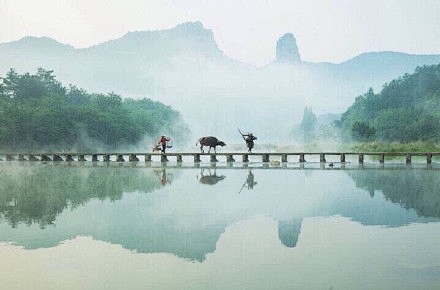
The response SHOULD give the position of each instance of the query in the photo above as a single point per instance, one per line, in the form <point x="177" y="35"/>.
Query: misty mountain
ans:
<point x="184" y="67"/>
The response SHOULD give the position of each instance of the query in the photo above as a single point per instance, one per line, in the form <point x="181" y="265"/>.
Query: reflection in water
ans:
<point x="113" y="204"/>
<point x="288" y="232"/>
<point x="412" y="189"/>
<point x="37" y="194"/>
<point x="163" y="176"/>
<point x="211" y="178"/>
<point x="332" y="252"/>
<point x="250" y="181"/>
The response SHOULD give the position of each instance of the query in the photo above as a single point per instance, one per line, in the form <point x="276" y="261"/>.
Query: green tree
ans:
<point x="407" y="109"/>
<point x="38" y="112"/>
<point x="362" y="131"/>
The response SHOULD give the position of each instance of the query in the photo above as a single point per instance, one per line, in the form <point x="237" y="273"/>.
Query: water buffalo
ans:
<point x="209" y="142"/>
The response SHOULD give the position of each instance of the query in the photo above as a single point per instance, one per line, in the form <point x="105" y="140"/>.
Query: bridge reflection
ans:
<point x="115" y="203"/>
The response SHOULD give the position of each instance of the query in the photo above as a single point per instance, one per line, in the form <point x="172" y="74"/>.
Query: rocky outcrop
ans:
<point x="287" y="50"/>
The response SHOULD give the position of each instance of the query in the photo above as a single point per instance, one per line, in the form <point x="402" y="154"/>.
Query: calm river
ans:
<point x="125" y="226"/>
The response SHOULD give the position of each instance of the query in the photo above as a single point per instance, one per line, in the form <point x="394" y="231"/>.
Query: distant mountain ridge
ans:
<point x="32" y="42"/>
<point x="184" y="67"/>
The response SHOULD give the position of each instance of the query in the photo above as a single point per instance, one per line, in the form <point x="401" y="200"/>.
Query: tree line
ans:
<point x="37" y="111"/>
<point x="407" y="109"/>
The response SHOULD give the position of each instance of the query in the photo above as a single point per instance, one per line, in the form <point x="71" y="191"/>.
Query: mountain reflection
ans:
<point x="186" y="217"/>
<point x="288" y="232"/>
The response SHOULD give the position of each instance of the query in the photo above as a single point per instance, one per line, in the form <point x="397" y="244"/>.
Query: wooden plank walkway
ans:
<point x="301" y="157"/>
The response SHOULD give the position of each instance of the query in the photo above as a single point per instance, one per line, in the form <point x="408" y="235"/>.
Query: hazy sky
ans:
<point x="326" y="30"/>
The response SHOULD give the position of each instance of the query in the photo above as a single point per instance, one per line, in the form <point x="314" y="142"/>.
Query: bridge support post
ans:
<point x="361" y="158"/>
<point x="147" y="157"/>
<point x="163" y="158"/>
<point x="120" y="158"/>
<point x="179" y="158"/>
<point x="21" y="157"/>
<point x="342" y="157"/>
<point x="382" y="159"/>
<point x="32" y="158"/>
<point x="69" y="158"/>
<point x="213" y="158"/>
<point x="95" y="157"/>
<point x="196" y="158"/>
<point x="230" y="158"/>
<point x="429" y="158"/>
<point x="245" y="158"/>
<point x="105" y="158"/>
<point x="9" y="157"/>
<point x="302" y="158"/>
<point x="133" y="158"/>
<point x="265" y="158"/>
<point x="57" y="158"/>
<point x="408" y="158"/>
<point x="45" y="158"/>
<point x="284" y="158"/>
<point x="322" y="157"/>
<point x="81" y="158"/>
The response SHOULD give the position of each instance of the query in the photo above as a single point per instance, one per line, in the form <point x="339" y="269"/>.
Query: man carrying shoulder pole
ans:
<point x="249" y="139"/>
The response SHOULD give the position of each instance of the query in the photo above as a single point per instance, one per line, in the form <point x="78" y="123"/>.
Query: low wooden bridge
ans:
<point x="214" y="157"/>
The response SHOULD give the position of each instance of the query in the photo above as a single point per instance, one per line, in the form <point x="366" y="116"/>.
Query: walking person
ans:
<point x="163" y="142"/>
<point x="249" y="139"/>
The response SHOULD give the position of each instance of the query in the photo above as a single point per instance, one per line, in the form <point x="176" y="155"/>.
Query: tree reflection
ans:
<point x="412" y="189"/>
<point x="37" y="195"/>
<point x="188" y="222"/>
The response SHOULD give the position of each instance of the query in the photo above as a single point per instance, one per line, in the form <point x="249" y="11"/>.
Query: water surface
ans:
<point x="143" y="226"/>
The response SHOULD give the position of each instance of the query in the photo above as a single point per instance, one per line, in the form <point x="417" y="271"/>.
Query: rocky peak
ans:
<point x="287" y="50"/>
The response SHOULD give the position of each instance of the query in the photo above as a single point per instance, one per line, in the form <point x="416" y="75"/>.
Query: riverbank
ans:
<point x="418" y="146"/>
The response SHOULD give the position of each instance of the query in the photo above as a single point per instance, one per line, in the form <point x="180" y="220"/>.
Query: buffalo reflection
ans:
<point x="210" y="179"/>
<point x="41" y="194"/>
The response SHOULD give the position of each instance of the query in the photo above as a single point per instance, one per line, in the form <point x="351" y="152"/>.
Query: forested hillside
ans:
<point x="185" y="67"/>
<point x="38" y="112"/>
<point x="407" y="109"/>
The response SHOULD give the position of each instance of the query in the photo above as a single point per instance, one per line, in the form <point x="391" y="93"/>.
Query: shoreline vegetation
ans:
<point x="38" y="113"/>
<point x="406" y="110"/>
<point x="374" y="146"/>
<point x="418" y="146"/>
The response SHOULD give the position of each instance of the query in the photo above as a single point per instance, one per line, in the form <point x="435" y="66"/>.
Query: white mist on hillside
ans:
<point x="184" y="68"/>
